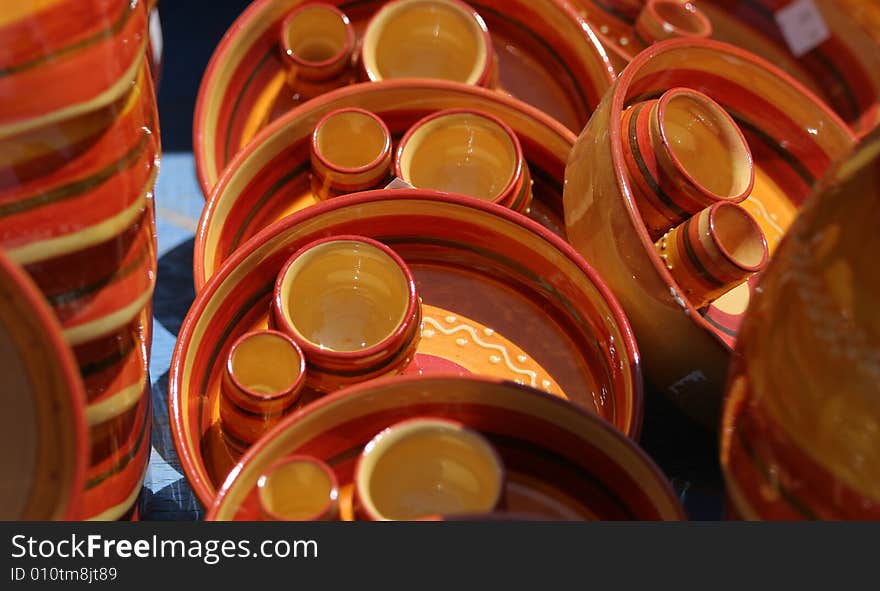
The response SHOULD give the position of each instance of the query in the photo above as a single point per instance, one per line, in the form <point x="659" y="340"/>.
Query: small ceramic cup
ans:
<point x="350" y="302"/>
<point x="351" y="151"/>
<point x="683" y="152"/>
<point x="317" y="44"/>
<point x="466" y="152"/>
<point x="298" y="488"/>
<point x="668" y="19"/>
<point x="444" y="39"/>
<point x="713" y="252"/>
<point x="264" y="375"/>
<point x="427" y="466"/>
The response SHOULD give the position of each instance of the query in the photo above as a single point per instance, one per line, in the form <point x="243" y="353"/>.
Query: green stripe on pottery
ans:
<point x="101" y="35"/>
<point x="692" y="255"/>
<point x="126" y="458"/>
<point x="79" y="187"/>
<point x="235" y="106"/>
<point x="100" y="365"/>
<point x="121" y="273"/>
<point x="643" y="168"/>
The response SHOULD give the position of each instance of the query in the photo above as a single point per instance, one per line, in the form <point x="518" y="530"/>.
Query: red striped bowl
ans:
<point x="548" y="54"/>
<point x="793" y="138"/>
<point x="269" y="178"/>
<point x="470" y="258"/>
<point x="560" y="461"/>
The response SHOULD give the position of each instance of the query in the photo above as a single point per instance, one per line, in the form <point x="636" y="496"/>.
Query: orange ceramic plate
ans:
<point x="560" y="462"/>
<point x="503" y="297"/>
<point x="548" y="56"/>
<point x="42" y="426"/>
<point x="269" y="179"/>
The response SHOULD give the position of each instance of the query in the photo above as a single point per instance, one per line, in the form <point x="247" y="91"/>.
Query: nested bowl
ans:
<point x="561" y="462"/>
<point x="501" y="296"/>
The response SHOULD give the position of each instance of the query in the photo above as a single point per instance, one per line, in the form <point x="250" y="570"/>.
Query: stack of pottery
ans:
<point x="80" y="147"/>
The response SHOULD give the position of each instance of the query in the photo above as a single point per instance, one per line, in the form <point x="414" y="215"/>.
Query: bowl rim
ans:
<point x="358" y="389"/>
<point x="333" y="167"/>
<point x="190" y="463"/>
<point x="290" y="54"/>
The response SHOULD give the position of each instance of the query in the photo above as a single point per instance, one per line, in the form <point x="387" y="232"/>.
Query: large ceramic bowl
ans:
<point x="269" y="179"/>
<point x="794" y="138"/>
<point x="560" y="462"/>
<point x="548" y="56"/>
<point x="501" y="296"/>
<point x="42" y="426"/>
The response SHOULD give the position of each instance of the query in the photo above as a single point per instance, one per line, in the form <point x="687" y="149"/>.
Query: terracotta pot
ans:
<point x="799" y="437"/>
<point x="299" y="488"/>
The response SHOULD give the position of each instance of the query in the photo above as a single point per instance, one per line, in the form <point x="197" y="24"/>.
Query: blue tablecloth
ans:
<point x="685" y="451"/>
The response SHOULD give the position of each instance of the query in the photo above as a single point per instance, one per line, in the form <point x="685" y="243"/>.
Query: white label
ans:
<point x="802" y="26"/>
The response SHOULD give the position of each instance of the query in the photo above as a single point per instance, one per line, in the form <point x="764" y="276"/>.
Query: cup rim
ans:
<point x="731" y="129"/>
<point x="332" y="499"/>
<point x="478" y="76"/>
<point x="713" y="211"/>
<point x="347" y="47"/>
<point x="384" y="154"/>
<point x="311" y="349"/>
<point x="291" y="390"/>
<point x="519" y="159"/>
<point x="396" y="432"/>
<point x="703" y="22"/>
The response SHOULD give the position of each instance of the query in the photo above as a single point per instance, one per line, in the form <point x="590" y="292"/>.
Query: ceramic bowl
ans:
<point x="561" y="462"/>
<point x="501" y="296"/>
<point x="43" y="420"/>
<point x="444" y="39"/>
<point x="351" y="304"/>
<point x="269" y="179"/>
<point x="659" y="20"/>
<point x="298" y="488"/>
<point x="466" y="152"/>
<point x="317" y="41"/>
<point x="799" y="438"/>
<point x="793" y="138"/>
<point x="547" y="55"/>
<point x="350" y="151"/>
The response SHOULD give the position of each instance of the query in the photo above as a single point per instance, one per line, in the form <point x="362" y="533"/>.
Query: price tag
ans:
<point x="802" y="26"/>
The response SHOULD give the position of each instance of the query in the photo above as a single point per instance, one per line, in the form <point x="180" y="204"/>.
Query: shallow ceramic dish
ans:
<point x="548" y="57"/>
<point x="502" y="296"/>
<point x="793" y="137"/>
<point x="42" y="427"/>
<point x="560" y="461"/>
<point x="269" y="179"/>
<point x="844" y="70"/>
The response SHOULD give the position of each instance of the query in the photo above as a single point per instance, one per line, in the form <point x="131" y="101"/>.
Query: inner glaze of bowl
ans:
<point x="296" y="490"/>
<point x="316" y="35"/>
<point x="461" y="153"/>
<point x="706" y="143"/>
<point x="432" y="468"/>
<point x="345" y="295"/>
<point x="351" y="139"/>
<point x="681" y="16"/>
<point x="265" y="364"/>
<point x="739" y="236"/>
<point x="425" y="39"/>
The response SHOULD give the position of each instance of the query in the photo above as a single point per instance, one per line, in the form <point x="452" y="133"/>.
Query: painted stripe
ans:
<point x="95" y="367"/>
<point x="69" y="297"/>
<point x="115" y="405"/>
<point x="125" y="459"/>
<point x="683" y="236"/>
<point x="117" y="511"/>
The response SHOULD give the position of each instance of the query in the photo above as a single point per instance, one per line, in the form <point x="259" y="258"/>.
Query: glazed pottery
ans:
<point x="667" y="19"/>
<point x="427" y="466"/>
<point x="298" y="488"/>
<point x="351" y="151"/>
<point x="42" y="427"/>
<point x="501" y="296"/>
<point x="548" y="56"/>
<point x="77" y="167"/>
<point x="713" y="252"/>
<point x="265" y="372"/>
<point x="351" y="304"/>
<point x="799" y="436"/>
<point x="560" y="462"/>
<point x="444" y="39"/>
<point x="269" y="180"/>
<point x="793" y="138"/>
<point x="466" y="152"/>
<point x="317" y="43"/>
<point x="683" y="153"/>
